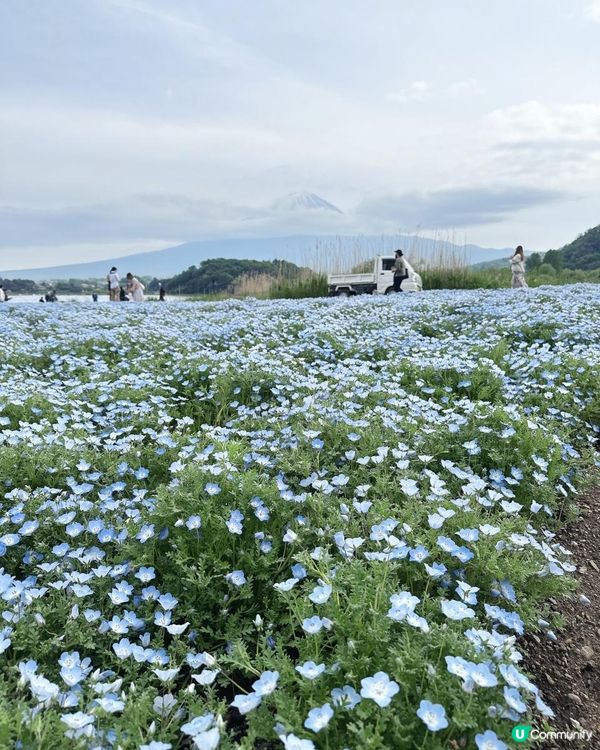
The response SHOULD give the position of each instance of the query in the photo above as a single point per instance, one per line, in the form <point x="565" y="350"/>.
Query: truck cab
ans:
<point x="378" y="281"/>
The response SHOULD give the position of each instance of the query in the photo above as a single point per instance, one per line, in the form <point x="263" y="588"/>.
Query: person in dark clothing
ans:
<point x="161" y="292"/>
<point x="122" y="296"/>
<point x="94" y="297"/>
<point x="400" y="271"/>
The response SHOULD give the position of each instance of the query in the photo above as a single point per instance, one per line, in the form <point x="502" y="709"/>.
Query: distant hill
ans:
<point x="304" y="250"/>
<point x="583" y="252"/>
<point x="222" y="274"/>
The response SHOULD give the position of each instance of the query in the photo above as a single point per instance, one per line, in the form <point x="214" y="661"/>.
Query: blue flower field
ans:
<point x="288" y="524"/>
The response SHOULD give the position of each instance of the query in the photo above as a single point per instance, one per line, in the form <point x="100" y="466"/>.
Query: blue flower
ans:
<point x="266" y="683"/>
<point x="312" y="625"/>
<point x="488" y="740"/>
<point x="198" y="724"/>
<point x="433" y="715"/>
<point x="320" y="594"/>
<point x="309" y="670"/>
<point x="379" y="688"/>
<point x="234" y="524"/>
<point x="319" y="718"/>
<point x="456" y="610"/>
<point x="193" y="522"/>
<point x="236" y="578"/>
<point x="246" y="703"/>
<point x="513" y="700"/>
<point x="345" y="697"/>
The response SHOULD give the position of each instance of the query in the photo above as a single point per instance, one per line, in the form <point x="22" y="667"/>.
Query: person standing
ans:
<point x="112" y="279"/>
<point x="517" y="267"/>
<point x="161" y="292"/>
<point x="400" y="270"/>
<point x="2" y="294"/>
<point x="135" y="288"/>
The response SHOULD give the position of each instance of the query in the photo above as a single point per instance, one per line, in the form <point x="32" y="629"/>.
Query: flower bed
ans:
<point x="316" y="523"/>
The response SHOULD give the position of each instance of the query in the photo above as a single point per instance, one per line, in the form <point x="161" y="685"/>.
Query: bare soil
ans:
<point x="568" y="671"/>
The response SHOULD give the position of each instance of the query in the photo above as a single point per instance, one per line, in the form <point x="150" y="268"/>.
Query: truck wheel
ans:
<point x="342" y="293"/>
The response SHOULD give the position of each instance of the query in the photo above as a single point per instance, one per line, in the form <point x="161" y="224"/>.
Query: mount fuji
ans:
<point x="303" y="202"/>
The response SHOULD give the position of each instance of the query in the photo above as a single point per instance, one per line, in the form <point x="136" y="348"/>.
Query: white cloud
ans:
<point x="418" y="91"/>
<point x="551" y="143"/>
<point x="468" y="86"/>
<point x="593" y="10"/>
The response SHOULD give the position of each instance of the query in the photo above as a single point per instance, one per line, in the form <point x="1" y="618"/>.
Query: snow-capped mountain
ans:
<point x="303" y="202"/>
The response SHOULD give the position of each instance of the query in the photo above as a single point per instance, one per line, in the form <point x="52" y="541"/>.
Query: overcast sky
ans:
<point x="134" y="124"/>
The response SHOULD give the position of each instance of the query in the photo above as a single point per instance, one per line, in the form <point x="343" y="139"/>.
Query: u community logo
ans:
<point x="520" y="733"/>
<point x="523" y="732"/>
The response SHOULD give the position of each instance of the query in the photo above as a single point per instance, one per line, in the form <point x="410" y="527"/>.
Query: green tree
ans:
<point x="555" y="259"/>
<point x="533" y="261"/>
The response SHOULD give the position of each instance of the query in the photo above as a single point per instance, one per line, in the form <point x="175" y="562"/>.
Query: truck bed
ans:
<point x="335" y="279"/>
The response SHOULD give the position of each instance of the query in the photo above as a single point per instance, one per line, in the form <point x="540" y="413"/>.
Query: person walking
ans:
<point x="517" y="267"/>
<point x="135" y="288"/>
<point x="400" y="270"/>
<point x="112" y="280"/>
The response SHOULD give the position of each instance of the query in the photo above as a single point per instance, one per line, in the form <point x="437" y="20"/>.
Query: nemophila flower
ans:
<point x="156" y="745"/>
<point x="318" y="718"/>
<point x="212" y="488"/>
<point x="266" y="683"/>
<point x="446" y="544"/>
<point x="455" y="610"/>
<point x="234" y="524"/>
<point x="482" y="675"/>
<point x="409" y="487"/>
<point x="299" y="571"/>
<point x="246" y="703"/>
<point x="320" y="594"/>
<point x="236" y="578"/>
<point x="309" y="670"/>
<point x="208" y="740"/>
<point x="379" y="688"/>
<point x="312" y="625"/>
<point x="514" y="700"/>
<point x="489" y="740"/>
<point x="198" y="725"/>
<point x="78" y="720"/>
<point x="193" y="522"/>
<point x="464" y="554"/>
<point x="287" y="585"/>
<point x="206" y="677"/>
<point x="345" y="697"/>
<point x="433" y="715"/>
<point x="146" y="532"/>
<point x="418" y="554"/>
<point x="291" y="742"/>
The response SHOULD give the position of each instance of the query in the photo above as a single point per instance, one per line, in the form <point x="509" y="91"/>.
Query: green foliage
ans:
<point x="217" y="275"/>
<point x="313" y="286"/>
<point x="584" y="251"/>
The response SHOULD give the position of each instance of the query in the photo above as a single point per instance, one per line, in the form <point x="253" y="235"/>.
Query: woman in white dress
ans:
<point x="135" y="288"/>
<point x="517" y="267"/>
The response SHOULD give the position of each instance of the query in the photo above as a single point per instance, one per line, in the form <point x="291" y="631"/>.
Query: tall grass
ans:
<point x="310" y="286"/>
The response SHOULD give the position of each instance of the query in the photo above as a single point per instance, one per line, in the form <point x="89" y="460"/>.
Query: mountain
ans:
<point x="583" y="252"/>
<point x="303" y="202"/>
<point x="317" y="251"/>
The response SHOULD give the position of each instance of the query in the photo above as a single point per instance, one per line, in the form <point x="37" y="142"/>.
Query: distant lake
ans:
<point x="86" y="298"/>
<point x="63" y="298"/>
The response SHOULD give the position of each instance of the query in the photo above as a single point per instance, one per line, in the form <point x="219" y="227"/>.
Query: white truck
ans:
<point x="378" y="281"/>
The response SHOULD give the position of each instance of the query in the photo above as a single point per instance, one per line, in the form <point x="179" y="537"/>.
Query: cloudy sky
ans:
<point x="127" y="125"/>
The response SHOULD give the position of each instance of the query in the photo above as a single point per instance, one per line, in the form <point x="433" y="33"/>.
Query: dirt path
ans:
<point x="568" y="671"/>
